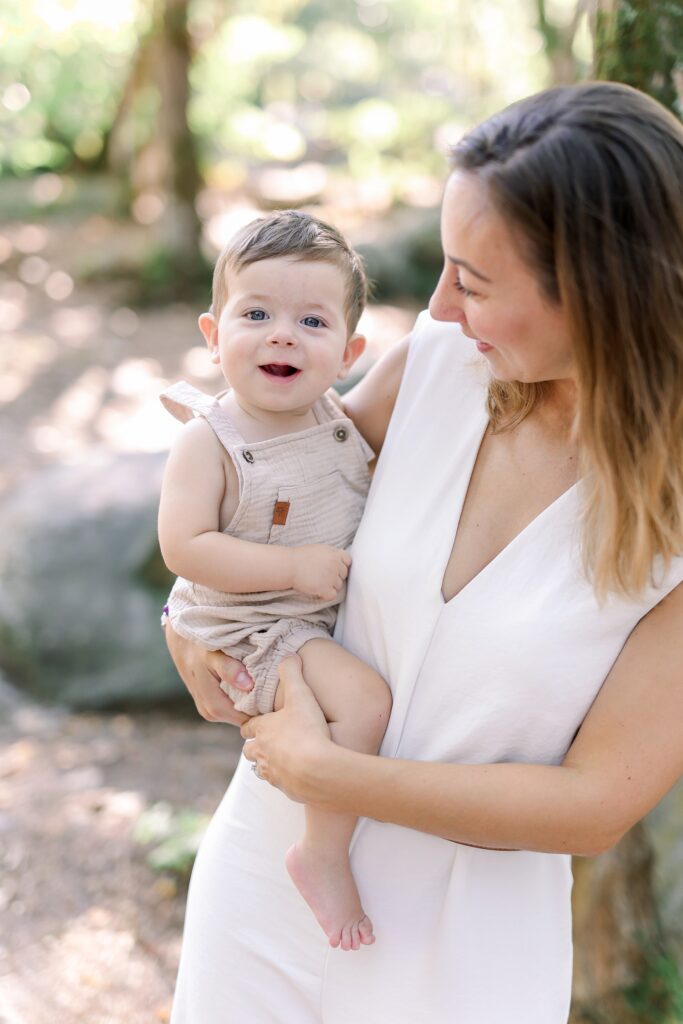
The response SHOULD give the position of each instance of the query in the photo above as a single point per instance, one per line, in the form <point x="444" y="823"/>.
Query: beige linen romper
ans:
<point x="303" y="488"/>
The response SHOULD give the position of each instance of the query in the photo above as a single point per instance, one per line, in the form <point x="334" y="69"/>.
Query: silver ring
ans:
<point x="256" y="770"/>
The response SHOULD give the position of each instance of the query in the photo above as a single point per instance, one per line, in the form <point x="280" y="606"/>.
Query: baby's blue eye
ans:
<point x="312" y="321"/>
<point x="256" y="314"/>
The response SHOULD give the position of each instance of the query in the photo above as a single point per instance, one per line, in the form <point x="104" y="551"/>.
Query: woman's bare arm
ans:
<point x="627" y="754"/>
<point x="371" y="402"/>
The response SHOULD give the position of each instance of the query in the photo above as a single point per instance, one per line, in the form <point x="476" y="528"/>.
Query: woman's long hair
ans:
<point x="590" y="179"/>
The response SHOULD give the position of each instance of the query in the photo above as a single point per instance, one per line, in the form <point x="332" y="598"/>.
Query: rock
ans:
<point x="82" y="584"/>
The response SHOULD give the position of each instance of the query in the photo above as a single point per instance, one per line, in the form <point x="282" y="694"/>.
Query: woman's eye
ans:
<point x="312" y="321"/>
<point x="256" y="314"/>
<point x="461" y="288"/>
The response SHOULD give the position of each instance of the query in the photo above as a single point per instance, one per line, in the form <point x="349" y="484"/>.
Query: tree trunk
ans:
<point x="558" y="41"/>
<point x="618" y="937"/>
<point x="161" y="170"/>
<point x="179" y="173"/>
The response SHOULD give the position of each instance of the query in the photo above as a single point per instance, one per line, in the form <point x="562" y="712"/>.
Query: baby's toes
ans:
<point x="346" y="939"/>
<point x="365" y="930"/>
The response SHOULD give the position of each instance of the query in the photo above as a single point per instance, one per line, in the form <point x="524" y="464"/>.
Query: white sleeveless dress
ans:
<point x="505" y="671"/>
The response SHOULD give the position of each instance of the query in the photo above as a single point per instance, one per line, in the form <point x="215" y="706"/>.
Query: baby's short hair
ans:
<point x="292" y="233"/>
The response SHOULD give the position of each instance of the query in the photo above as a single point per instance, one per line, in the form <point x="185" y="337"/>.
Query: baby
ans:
<point x="262" y="495"/>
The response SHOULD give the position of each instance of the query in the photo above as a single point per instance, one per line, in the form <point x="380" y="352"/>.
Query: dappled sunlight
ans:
<point x="12" y="305"/>
<point x="77" y="406"/>
<point x="59" y="285"/>
<point x="137" y="425"/>
<point x="293" y="185"/>
<point x="28" y="238"/>
<point x="197" y="363"/>
<point x="61" y="16"/>
<point x="47" y="188"/>
<point x="222" y="226"/>
<point x="33" y="270"/>
<point x="22" y="357"/>
<point x="77" y="325"/>
<point x="383" y="326"/>
<point x="124" y="322"/>
<point x="134" y="420"/>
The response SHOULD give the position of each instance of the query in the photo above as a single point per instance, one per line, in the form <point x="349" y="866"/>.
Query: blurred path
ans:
<point x="89" y="934"/>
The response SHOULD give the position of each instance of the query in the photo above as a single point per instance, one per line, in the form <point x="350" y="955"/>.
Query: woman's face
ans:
<point x="488" y="288"/>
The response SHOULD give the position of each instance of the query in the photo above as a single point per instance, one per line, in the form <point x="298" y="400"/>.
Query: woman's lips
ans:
<point x="482" y="346"/>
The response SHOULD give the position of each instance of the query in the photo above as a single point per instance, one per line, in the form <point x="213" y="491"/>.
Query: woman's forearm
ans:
<point x="509" y="806"/>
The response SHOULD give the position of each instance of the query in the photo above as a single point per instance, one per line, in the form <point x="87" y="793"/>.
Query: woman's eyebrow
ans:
<point x="468" y="266"/>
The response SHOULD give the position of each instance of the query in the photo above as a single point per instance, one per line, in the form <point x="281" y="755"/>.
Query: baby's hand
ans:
<point x="319" y="570"/>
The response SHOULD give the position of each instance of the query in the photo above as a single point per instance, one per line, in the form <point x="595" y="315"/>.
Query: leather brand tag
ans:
<point x="280" y="513"/>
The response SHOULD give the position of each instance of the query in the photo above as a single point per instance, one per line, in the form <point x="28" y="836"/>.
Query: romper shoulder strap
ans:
<point x="184" y="402"/>
<point x="329" y="407"/>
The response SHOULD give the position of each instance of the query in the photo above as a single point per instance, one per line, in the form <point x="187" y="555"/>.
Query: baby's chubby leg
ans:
<point x="356" y="703"/>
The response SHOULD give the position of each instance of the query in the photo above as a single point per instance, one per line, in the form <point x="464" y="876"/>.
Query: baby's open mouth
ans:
<point x="279" y="369"/>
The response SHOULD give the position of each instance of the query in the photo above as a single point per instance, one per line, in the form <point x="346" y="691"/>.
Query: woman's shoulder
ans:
<point x="441" y="356"/>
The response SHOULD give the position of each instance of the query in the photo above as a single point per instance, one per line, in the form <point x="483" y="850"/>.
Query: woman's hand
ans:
<point x="288" y="745"/>
<point x="203" y="672"/>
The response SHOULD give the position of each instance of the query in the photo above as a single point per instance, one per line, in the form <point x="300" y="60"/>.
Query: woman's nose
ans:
<point x="446" y="304"/>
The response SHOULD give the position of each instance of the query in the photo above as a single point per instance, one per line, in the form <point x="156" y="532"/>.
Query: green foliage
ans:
<point x="658" y="997"/>
<point x="173" y="837"/>
<point x="406" y="260"/>
<point x="363" y="86"/>
<point x="640" y="42"/>
<point x="166" y="275"/>
<point x="60" y="82"/>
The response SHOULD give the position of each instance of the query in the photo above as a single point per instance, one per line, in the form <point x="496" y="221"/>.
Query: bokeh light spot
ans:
<point x="15" y="97"/>
<point x="33" y="270"/>
<point x="59" y="286"/>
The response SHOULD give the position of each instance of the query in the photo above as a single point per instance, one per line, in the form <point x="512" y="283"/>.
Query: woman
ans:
<point x="517" y="579"/>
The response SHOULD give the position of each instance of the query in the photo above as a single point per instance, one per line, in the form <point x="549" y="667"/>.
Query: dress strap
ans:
<point x="184" y="402"/>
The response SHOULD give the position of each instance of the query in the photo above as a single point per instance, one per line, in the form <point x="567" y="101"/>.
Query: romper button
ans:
<point x="247" y="456"/>
<point x="340" y="434"/>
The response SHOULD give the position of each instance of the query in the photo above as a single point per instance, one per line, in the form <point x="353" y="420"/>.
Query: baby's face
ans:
<point x="282" y="334"/>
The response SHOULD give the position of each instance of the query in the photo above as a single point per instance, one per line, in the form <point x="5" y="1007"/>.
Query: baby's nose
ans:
<point x="282" y="336"/>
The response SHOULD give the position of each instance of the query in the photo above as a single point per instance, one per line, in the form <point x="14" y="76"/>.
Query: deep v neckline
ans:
<point x="500" y="555"/>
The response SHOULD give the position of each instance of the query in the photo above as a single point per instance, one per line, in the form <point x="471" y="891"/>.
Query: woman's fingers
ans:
<point x="202" y="672"/>
<point x="230" y="671"/>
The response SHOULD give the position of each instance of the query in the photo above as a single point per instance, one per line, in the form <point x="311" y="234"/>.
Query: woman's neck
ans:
<point x="558" y="406"/>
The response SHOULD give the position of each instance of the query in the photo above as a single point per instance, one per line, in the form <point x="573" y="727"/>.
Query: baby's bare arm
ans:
<point x="193" y="546"/>
<point x="191" y="543"/>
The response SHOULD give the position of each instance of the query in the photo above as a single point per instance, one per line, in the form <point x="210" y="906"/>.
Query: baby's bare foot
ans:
<point x="330" y="891"/>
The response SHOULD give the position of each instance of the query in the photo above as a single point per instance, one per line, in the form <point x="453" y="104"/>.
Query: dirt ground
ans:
<point x="89" y="934"/>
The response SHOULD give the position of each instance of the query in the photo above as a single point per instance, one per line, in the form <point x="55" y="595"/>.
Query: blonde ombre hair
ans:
<point x="590" y="179"/>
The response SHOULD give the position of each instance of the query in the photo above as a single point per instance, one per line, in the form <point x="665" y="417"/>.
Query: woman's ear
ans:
<point x="209" y="328"/>
<point x="355" y="347"/>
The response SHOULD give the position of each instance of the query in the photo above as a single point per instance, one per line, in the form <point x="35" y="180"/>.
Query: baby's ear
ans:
<point x="209" y="328"/>
<point x="355" y="347"/>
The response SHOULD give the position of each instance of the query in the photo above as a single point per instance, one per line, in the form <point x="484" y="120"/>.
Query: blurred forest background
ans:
<point x="134" y="138"/>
